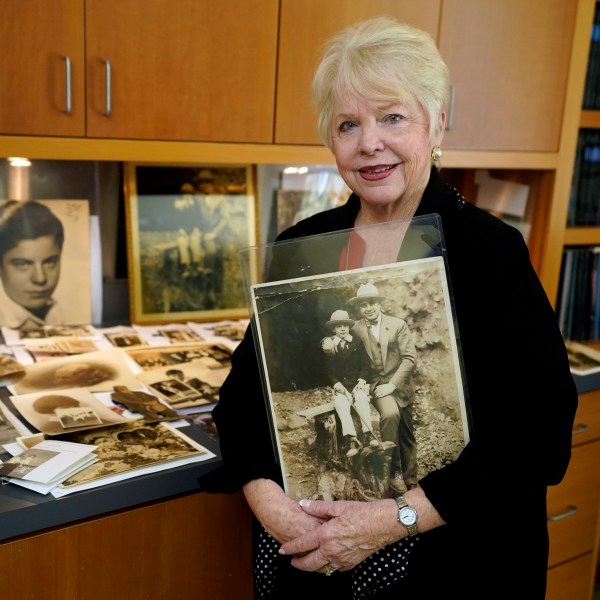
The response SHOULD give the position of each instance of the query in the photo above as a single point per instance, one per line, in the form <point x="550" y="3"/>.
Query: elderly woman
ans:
<point x="475" y="528"/>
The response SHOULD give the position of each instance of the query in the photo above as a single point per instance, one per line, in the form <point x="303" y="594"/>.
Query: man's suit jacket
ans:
<point x="398" y="354"/>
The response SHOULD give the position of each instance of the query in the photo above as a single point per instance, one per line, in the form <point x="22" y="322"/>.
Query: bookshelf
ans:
<point x="579" y="289"/>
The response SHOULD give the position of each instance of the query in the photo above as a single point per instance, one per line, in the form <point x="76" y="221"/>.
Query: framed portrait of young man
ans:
<point x="45" y="276"/>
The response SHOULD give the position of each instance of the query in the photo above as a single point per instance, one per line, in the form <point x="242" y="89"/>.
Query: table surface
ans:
<point x="24" y="512"/>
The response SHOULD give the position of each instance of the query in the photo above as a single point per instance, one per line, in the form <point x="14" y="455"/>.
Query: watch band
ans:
<point x="403" y="504"/>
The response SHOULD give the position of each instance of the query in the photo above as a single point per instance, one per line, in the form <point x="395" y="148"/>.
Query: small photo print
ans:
<point x="125" y="339"/>
<point x="77" y="417"/>
<point x="583" y="360"/>
<point x="55" y="413"/>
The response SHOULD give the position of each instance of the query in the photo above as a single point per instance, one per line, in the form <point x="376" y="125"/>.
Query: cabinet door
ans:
<point x="186" y="70"/>
<point x="36" y="38"/>
<point x="305" y="27"/>
<point x="508" y="63"/>
<point x="576" y="499"/>
<point x="571" y="580"/>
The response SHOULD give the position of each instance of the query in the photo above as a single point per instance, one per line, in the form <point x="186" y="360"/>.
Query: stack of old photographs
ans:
<point x="126" y="390"/>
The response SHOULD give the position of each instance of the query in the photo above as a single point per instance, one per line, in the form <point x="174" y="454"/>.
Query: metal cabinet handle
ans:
<point x="107" y="103"/>
<point x="68" y="104"/>
<point x="580" y="428"/>
<point x="450" y="119"/>
<point x="571" y="510"/>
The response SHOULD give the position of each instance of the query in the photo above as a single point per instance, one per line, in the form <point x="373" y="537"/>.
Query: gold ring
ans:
<point x="328" y="569"/>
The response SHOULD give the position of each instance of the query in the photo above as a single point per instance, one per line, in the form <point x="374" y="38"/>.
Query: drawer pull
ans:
<point x="450" y="119"/>
<point x="571" y="510"/>
<point x="68" y="105"/>
<point x="108" y="88"/>
<point x="580" y="428"/>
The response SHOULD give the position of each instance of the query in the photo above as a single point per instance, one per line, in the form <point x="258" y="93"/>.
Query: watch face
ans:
<point x="408" y="515"/>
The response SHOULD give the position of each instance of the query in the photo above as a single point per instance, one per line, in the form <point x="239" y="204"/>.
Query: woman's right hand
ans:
<point x="282" y="517"/>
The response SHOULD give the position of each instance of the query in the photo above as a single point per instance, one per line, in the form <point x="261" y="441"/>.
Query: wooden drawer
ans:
<point x="586" y="427"/>
<point x="571" y="580"/>
<point x="577" y="499"/>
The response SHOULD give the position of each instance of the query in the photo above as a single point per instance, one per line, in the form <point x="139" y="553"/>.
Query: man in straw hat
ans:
<point x="347" y="366"/>
<point x="391" y="350"/>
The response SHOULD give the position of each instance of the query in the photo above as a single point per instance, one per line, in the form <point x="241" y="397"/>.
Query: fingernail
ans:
<point x="304" y="502"/>
<point x="281" y="551"/>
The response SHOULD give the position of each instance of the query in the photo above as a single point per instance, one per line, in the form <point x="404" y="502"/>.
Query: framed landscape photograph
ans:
<point x="185" y="225"/>
<point x="294" y="324"/>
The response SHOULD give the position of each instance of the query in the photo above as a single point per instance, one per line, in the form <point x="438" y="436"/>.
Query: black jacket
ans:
<point x="522" y="400"/>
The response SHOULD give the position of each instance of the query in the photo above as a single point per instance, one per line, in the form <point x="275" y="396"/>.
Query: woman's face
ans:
<point x="30" y="271"/>
<point x="382" y="152"/>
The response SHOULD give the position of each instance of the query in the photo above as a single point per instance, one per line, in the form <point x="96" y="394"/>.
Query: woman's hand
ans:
<point x="282" y="517"/>
<point x="351" y="531"/>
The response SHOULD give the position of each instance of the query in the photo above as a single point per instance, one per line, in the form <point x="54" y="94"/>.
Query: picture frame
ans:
<point x="75" y="264"/>
<point x="185" y="225"/>
<point x="299" y="393"/>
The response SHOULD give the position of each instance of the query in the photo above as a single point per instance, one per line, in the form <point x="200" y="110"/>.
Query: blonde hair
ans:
<point x="380" y="60"/>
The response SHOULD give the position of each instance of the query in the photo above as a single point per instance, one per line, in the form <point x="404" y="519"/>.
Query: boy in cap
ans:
<point x="347" y="366"/>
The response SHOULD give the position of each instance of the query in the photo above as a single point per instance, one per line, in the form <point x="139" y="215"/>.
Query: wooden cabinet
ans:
<point x="305" y="27"/>
<point x="508" y="62"/>
<point x="42" y="68"/>
<point x="240" y="70"/>
<point x="574" y="510"/>
<point x="193" y="547"/>
<point x="190" y="70"/>
<point x="185" y="70"/>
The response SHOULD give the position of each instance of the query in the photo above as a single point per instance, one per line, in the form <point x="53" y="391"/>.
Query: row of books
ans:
<point x="584" y="201"/>
<point x="591" y="94"/>
<point x="578" y="306"/>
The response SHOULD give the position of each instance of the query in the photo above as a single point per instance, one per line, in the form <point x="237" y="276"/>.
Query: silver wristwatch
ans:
<point x="407" y="515"/>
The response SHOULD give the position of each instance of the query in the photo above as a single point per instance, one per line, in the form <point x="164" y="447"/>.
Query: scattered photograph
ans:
<point x="125" y="339"/>
<point x="15" y="337"/>
<point x="11" y="429"/>
<point x="70" y="410"/>
<point x="96" y="371"/>
<point x="10" y="366"/>
<point x="583" y="359"/>
<point x="231" y="332"/>
<point x="187" y="384"/>
<point x="57" y="345"/>
<point x="206" y="422"/>
<point x="212" y="355"/>
<point x="132" y="447"/>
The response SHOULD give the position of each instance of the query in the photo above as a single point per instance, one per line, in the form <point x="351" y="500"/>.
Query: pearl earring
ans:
<point x="436" y="153"/>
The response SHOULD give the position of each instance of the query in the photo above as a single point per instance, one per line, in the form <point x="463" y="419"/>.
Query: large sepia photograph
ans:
<point x="363" y="376"/>
<point x="185" y="225"/>
<point x="45" y="274"/>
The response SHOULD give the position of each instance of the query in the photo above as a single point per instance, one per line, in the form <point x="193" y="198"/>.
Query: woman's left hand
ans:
<point x="353" y="531"/>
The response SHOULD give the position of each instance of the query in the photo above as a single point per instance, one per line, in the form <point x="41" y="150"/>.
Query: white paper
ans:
<point x="69" y="455"/>
<point x="58" y="492"/>
<point x="45" y="488"/>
